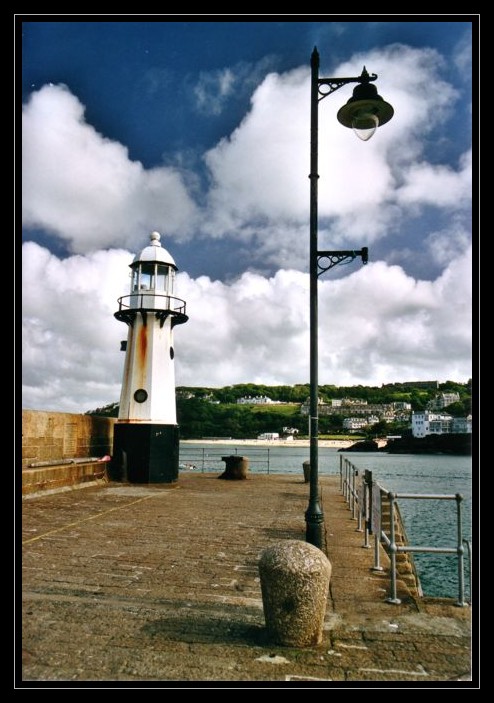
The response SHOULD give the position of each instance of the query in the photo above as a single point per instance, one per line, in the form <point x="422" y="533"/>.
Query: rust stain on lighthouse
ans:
<point x="142" y="346"/>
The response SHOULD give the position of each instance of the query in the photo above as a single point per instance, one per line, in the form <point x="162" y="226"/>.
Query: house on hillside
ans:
<point x="426" y="423"/>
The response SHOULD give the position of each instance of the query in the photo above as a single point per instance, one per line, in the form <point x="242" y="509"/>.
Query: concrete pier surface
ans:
<point x="158" y="586"/>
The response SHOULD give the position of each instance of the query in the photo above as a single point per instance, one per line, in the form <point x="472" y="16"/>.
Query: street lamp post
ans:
<point x="364" y="112"/>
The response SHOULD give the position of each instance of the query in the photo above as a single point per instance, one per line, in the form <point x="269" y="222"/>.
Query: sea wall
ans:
<point x="52" y="436"/>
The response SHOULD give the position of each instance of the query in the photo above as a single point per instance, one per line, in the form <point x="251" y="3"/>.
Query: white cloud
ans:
<point x="445" y="245"/>
<point x="71" y="341"/>
<point x="260" y="171"/>
<point x="84" y="188"/>
<point x="463" y="56"/>
<point x="376" y="325"/>
<point x="438" y="185"/>
<point x="380" y="325"/>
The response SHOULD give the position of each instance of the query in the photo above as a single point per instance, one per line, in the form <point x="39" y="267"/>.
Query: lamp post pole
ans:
<point x="314" y="515"/>
<point x="364" y="112"/>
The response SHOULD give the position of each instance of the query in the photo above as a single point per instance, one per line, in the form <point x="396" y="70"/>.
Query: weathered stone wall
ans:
<point x="51" y="436"/>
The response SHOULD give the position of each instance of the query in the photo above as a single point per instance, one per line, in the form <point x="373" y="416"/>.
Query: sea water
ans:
<point x="428" y="523"/>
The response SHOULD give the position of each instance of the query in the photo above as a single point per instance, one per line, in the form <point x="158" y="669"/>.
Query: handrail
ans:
<point x="136" y="301"/>
<point x="368" y="498"/>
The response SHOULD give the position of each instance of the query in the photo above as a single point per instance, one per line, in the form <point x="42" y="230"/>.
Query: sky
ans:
<point x="199" y="128"/>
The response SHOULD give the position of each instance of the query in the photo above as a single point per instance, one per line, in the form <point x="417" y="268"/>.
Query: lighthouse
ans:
<point x="146" y="435"/>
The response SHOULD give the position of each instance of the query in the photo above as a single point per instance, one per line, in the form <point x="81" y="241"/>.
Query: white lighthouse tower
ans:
<point x="146" y="437"/>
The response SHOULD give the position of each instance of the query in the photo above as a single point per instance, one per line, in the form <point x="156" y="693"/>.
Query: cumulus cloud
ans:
<point x="381" y="325"/>
<point x="376" y="325"/>
<point x="84" y="188"/>
<point x="70" y="340"/>
<point x="438" y="185"/>
<point x="259" y="173"/>
<point x="446" y="245"/>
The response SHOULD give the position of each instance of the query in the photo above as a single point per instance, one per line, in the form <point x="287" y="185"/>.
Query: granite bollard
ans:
<point x="295" y="577"/>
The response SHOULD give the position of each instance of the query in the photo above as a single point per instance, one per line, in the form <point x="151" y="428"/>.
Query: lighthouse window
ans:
<point x="172" y="353"/>
<point x="135" y="275"/>
<point x="146" y="281"/>
<point x="161" y="277"/>
<point x="140" y="395"/>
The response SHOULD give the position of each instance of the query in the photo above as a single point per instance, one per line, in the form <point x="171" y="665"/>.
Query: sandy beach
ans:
<point x="337" y="443"/>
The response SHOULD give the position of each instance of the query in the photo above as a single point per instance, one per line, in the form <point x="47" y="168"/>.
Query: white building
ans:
<point x="426" y="422"/>
<point x="357" y="423"/>
<point x="256" y="400"/>
<point x="442" y="400"/>
<point x="401" y="405"/>
<point x="269" y="435"/>
<point x="462" y="425"/>
<point x="339" y="402"/>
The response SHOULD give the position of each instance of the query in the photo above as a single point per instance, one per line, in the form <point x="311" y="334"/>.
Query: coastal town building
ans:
<point x="256" y="400"/>
<point x="351" y="407"/>
<point x="426" y="423"/>
<point x="442" y="400"/>
<point x="353" y="424"/>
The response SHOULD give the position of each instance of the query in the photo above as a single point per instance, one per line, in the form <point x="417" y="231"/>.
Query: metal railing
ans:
<point x="210" y="459"/>
<point x="149" y="300"/>
<point x="365" y="500"/>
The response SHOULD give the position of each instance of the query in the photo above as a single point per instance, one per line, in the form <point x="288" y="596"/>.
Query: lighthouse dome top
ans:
<point x="155" y="252"/>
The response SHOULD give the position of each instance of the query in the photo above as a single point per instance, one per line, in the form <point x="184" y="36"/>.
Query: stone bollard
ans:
<point x="236" y="467"/>
<point x="295" y="578"/>
<point x="306" y="466"/>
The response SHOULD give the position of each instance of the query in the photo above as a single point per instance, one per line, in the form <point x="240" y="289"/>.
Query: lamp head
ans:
<point x="365" y="111"/>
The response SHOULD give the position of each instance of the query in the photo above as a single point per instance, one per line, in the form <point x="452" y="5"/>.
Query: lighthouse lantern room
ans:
<point x="146" y="435"/>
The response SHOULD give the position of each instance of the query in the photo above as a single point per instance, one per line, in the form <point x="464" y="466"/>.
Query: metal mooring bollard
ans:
<point x="295" y="578"/>
<point x="236" y="468"/>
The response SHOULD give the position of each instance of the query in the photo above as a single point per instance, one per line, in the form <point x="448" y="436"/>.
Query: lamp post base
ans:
<point x="315" y="532"/>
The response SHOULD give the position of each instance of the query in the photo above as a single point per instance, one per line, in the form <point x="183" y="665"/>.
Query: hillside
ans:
<point x="209" y="412"/>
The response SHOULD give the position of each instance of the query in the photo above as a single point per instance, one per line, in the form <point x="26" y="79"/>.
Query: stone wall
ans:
<point x="52" y="436"/>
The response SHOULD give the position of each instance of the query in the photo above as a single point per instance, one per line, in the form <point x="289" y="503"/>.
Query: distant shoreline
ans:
<point x="337" y="443"/>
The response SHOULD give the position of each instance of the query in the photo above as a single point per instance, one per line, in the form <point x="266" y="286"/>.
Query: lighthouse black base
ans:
<point x="145" y="453"/>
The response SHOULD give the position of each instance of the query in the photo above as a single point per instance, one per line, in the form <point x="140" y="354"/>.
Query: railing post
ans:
<point x="360" y="503"/>
<point x="354" y="493"/>
<point x="349" y="483"/>
<point x="469" y="553"/>
<point x="351" y="498"/>
<point x="345" y="469"/>
<point x="341" y="472"/>
<point x="367" y="483"/>
<point x="376" y="523"/>
<point x="347" y="480"/>
<point x="392" y="548"/>
<point x="460" y="551"/>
